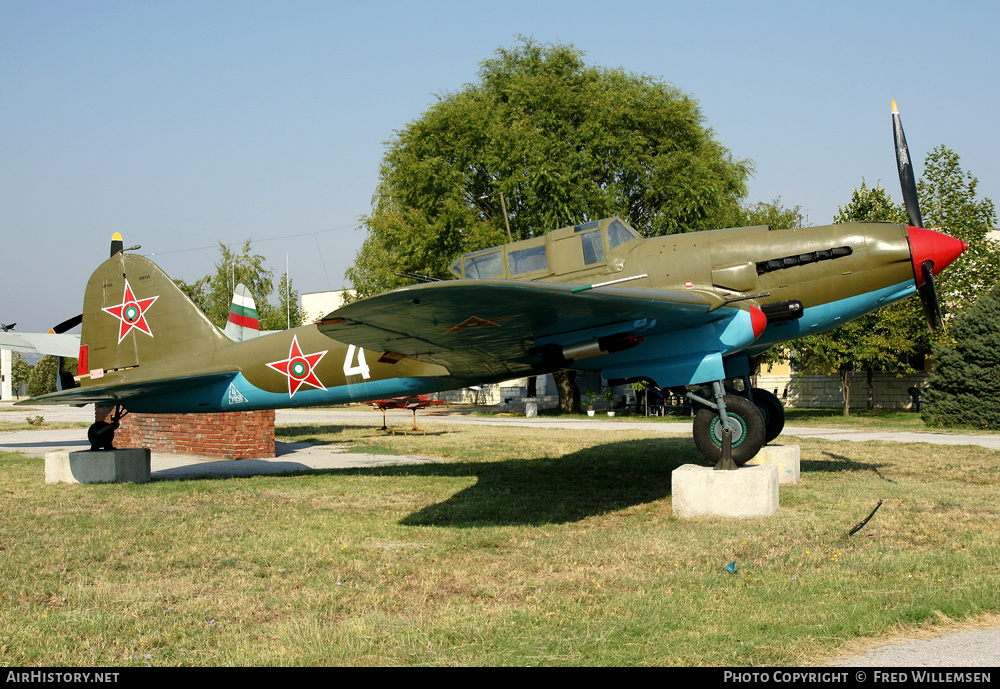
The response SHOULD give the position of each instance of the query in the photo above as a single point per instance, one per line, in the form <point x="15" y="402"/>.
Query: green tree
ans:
<point x="213" y="294"/>
<point x="287" y="313"/>
<point x="232" y="269"/>
<point x="20" y="371"/>
<point x="881" y="340"/>
<point x="870" y="205"/>
<point x="948" y="202"/>
<point x="771" y="213"/>
<point x="965" y="385"/>
<point x="777" y="217"/>
<point x="563" y="143"/>
<point x="42" y="378"/>
<point x="878" y="341"/>
<point x="196" y="291"/>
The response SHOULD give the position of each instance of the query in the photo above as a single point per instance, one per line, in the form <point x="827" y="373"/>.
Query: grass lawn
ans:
<point x="529" y="547"/>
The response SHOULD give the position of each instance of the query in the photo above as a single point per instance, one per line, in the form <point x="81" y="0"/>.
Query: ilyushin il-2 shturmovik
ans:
<point x="685" y="312"/>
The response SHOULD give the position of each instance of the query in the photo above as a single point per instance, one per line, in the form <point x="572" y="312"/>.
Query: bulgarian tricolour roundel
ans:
<point x="298" y="368"/>
<point x="132" y="313"/>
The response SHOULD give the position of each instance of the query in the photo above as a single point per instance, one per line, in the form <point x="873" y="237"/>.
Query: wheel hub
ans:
<point x="735" y="424"/>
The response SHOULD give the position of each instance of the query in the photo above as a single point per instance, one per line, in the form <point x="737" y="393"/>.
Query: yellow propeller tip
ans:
<point x="116" y="237"/>
<point x="894" y="110"/>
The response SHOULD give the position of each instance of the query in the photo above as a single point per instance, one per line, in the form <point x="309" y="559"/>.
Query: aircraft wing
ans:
<point x="65" y="344"/>
<point x="479" y="327"/>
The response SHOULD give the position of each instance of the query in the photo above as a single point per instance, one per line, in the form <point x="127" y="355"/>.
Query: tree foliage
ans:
<point x="213" y="294"/>
<point x="42" y="378"/>
<point x="563" y="143"/>
<point x="20" y="371"/>
<point x="878" y="341"/>
<point x="965" y="385"/>
<point x="777" y="217"/>
<point x="949" y="203"/>
<point x="882" y="340"/>
<point x="286" y="314"/>
<point x="771" y="213"/>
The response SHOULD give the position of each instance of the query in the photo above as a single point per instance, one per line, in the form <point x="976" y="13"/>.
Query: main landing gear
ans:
<point x="731" y="427"/>
<point x="101" y="434"/>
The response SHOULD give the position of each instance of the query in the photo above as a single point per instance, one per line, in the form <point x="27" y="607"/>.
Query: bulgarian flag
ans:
<point x="243" y="311"/>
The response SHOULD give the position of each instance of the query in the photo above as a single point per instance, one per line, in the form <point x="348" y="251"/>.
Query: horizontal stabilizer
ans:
<point x="65" y="344"/>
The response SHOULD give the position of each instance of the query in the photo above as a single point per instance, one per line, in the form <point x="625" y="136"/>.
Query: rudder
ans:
<point x="134" y="315"/>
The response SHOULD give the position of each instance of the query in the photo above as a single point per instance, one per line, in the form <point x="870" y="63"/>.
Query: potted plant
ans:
<point x="609" y="396"/>
<point x="590" y="396"/>
<point x="641" y="386"/>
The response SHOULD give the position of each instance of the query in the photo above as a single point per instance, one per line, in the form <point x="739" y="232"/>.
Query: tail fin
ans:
<point x="135" y="316"/>
<point x="243" y="323"/>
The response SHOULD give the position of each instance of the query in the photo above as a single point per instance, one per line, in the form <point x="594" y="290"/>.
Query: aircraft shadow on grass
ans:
<point x="550" y="490"/>
<point x="587" y="483"/>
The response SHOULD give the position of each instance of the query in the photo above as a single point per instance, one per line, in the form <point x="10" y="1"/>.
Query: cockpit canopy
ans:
<point x="569" y="250"/>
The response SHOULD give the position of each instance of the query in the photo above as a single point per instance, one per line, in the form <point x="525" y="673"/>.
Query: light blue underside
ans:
<point x="825" y="317"/>
<point x="238" y="394"/>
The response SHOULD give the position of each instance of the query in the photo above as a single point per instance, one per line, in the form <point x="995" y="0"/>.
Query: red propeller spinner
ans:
<point x="936" y="247"/>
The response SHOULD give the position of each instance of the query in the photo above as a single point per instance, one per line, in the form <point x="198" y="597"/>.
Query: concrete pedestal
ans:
<point x="699" y="491"/>
<point x="785" y="457"/>
<point x="531" y="407"/>
<point x="102" y="466"/>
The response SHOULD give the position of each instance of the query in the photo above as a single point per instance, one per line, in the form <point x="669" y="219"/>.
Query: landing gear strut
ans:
<point x="101" y="434"/>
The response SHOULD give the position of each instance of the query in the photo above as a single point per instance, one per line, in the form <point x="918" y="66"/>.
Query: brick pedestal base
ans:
<point x="232" y="435"/>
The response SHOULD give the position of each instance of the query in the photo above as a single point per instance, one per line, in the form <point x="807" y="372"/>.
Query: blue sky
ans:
<point x="184" y="124"/>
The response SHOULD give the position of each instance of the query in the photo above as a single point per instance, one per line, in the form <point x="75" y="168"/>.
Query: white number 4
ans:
<point x="362" y="367"/>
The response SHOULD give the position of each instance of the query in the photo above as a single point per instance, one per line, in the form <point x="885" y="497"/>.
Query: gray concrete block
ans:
<point x="102" y="466"/>
<point x="699" y="491"/>
<point x="785" y="457"/>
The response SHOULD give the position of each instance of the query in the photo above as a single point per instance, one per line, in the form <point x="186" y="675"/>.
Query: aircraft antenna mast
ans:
<point x="506" y="220"/>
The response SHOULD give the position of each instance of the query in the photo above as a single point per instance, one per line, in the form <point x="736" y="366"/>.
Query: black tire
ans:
<point x="101" y="436"/>
<point x="748" y="430"/>
<point x="773" y="412"/>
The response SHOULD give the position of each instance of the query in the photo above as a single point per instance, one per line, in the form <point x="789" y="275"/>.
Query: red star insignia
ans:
<point x="475" y="322"/>
<point x="298" y="367"/>
<point x="132" y="313"/>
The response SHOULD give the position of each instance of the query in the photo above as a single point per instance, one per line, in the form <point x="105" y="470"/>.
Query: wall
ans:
<point x="230" y="435"/>
<point x="801" y="390"/>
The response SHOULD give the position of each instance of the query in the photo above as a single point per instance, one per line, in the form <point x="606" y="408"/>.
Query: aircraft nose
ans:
<point x="936" y="247"/>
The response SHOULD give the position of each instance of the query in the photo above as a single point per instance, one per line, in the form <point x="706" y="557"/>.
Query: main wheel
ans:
<point x="746" y="423"/>
<point x="773" y="412"/>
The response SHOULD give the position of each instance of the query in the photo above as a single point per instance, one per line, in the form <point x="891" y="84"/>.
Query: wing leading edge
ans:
<point x="482" y="328"/>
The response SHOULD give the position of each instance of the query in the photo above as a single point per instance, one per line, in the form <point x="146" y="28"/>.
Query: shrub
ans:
<point x="965" y="385"/>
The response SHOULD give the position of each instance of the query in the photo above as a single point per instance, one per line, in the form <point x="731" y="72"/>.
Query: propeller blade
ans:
<point x="928" y="296"/>
<point x="907" y="181"/>
<point x="67" y="324"/>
